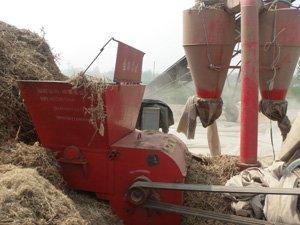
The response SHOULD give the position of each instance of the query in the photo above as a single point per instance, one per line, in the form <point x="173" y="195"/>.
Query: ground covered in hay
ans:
<point x="207" y="170"/>
<point x="32" y="156"/>
<point x="28" y="164"/>
<point x="93" y="211"/>
<point x="28" y="198"/>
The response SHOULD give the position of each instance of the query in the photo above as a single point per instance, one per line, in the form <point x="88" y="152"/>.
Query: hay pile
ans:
<point x="93" y="211"/>
<point x="207" y="170"/>
<point x="23" y="55"/>
<point x="94" y="87"/>
<point x="32" y="156"/>
<point x="25" y="196"/>
<point x="28" y="198"/>
<point x="214" y="4"/>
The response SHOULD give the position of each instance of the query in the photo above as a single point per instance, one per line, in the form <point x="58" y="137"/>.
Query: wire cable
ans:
<point x="101" y="50"/>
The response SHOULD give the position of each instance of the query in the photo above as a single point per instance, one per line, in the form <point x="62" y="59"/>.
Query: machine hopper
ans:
<point x="209" y="40"/>
<point x="279" y="51"/>
<point x="278" y="56"/>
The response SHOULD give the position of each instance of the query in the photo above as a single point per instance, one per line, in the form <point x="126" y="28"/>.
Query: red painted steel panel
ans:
<point x="208" y="26"/>
<point x="249" y="82"/>
<point x="279" y="51"/>
<point x="287" y="29"/>
<point x="135" y="150"/>
<point x="209" y="40"/>
<point x="153" y="140"/>
<point x="128" y="64"/>
<point x="94" y="174"/>
<point x="209" y="93"/>
<point x="122" y="108"/>
<point x="275" y="94"/>
<point x="57" y="112"/>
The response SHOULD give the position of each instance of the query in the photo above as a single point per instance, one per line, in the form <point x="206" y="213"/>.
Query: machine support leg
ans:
<point x="250" y="73"/>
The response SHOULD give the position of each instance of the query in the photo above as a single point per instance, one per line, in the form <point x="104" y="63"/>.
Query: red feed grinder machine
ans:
<point x="142" y="173"/>
<point x="110" y="164"/>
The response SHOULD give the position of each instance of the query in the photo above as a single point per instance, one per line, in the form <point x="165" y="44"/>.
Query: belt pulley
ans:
<point x="140" y="193"/>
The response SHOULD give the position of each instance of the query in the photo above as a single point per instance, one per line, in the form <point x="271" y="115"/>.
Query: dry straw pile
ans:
<point x="94" y="87"/>
<point x="27" y="198"/>
<point x="93" y="211"/>
<point x="31" y="160"/>
<point x="32" y="156"/>
<point x="32" y="190"/>
<point x="23" y="56"/>
<point x="207" y="170"/>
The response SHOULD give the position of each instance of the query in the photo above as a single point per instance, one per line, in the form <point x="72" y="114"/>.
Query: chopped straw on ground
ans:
<point x="27" y="198"/>
<point x="24" y="55"/>
<point x="208" y="170"/>
<point x="93" y="211"/>
<point x="32" y="156"/>
<point x="94" y="87"/>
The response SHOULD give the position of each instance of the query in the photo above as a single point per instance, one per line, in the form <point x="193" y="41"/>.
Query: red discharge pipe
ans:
<point x="249" y="74"/>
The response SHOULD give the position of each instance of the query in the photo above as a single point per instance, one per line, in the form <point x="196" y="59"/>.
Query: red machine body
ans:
<point x="107" y="165"/>
<point x="154" y="157"/>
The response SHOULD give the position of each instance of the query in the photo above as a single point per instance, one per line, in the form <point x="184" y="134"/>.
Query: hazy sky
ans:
<point x="77" y="29"/>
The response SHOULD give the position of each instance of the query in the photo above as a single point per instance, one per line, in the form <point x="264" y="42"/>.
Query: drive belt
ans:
<point x="207" y="214"/>
<point x="216" y="188"/>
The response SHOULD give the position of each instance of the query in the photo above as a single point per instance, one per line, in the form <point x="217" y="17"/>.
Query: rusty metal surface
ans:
<point x="219" y="27"/>
<point x="208" y="40"/>
<point x="279" y="51"/>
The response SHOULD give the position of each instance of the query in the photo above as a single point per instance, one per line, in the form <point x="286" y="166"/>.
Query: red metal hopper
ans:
<point x="279" y="51"/>
<point x="208" y="40"/>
